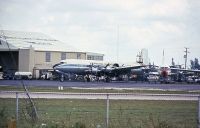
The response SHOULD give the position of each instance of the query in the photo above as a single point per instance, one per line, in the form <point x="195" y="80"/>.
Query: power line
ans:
<point x="117" y="43"/>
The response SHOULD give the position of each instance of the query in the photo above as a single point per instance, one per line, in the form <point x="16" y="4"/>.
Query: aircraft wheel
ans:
<point x="62" y="78"/>
<point x="88" y="79"/>
<point x="80" y="78"/>
<point x="107" y="79"/>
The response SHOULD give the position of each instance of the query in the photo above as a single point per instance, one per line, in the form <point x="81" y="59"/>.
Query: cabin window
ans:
<point x="48" y="56"/>
<point x="0" y="42"/>
<point x="63" y="56"/>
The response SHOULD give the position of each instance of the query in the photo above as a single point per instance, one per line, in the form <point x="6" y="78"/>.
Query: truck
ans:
<point x="23" y="75"/>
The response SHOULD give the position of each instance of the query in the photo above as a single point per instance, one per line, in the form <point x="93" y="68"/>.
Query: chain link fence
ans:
<point x="102" y="112"/>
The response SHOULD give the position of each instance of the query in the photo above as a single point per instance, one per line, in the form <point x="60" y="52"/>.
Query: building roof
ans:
<point x="39" y="41"/>
<point x="94" y="54"/>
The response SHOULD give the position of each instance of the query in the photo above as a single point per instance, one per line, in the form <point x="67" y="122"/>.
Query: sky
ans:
<point x="119" y="29"/>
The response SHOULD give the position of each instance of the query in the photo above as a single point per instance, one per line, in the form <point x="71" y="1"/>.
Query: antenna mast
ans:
<point x="163" y="58"/>
<point x="117" y="43"/>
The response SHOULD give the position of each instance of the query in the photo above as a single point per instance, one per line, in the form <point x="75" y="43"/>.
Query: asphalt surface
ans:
<point x="119" y="85"/>
<point x="114" y="96"/>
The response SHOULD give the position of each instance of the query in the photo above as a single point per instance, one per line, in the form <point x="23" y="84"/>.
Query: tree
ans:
<point x="196" y="64"/>
<point x="192" y="64"/>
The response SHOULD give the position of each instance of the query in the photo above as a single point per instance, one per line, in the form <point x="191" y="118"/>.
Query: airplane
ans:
<point x="116" y="72"/>
<point x="87" y="68"/>
<point x="165" y="74"/>
<point x="175" y="73"/>
<point x="171" y="74"/>
<point x="183" y="74"/>
<point x="77" y="69"/>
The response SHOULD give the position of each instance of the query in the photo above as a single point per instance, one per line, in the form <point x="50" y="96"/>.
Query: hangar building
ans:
<point x="35" y="52"/>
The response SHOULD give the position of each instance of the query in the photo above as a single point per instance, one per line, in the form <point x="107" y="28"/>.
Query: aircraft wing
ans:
<point x="186" y="70"/>
<point x="123" y="70"/>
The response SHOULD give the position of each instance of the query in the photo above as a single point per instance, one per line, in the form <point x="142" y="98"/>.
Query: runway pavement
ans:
<point x="113" y="96"/>
<point x="128" y="85"/>
<point x="118" y="85"/>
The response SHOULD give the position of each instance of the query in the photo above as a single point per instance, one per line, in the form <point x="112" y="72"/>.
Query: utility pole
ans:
<point x="198" y="111"/>
<point x="107" y="111"/>
<point x="17" y="109"/>
<point x="186" y="55"/>
<point x="139" y="58"/>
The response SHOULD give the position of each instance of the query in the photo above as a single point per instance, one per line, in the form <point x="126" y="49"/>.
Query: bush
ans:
<point x="79" y="125"/>
<point x="3" y="117"/>
<point x="159" y="123"/>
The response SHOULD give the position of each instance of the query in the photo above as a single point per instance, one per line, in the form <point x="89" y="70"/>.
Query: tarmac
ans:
<point x="103" y="85"/>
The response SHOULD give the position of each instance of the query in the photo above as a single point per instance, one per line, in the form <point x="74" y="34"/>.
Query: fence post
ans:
<point x="17" y="108"/>
<point x="107" y="111"/>
<point x="198" y="111"/>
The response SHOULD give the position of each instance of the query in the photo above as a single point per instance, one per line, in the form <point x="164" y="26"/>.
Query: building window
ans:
<point x="91" y="57"/>
<point x="78" y="56"/>
<point x="48" y="56"/>
<point x="63" y="56"/>
<point x="100" y="57"/>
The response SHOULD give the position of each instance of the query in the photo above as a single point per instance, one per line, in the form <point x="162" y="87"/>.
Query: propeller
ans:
<point x="107" y="65"/>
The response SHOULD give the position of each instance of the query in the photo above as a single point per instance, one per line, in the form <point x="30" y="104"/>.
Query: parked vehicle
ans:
<point x="7" y="75"/>
<point x="1" y="75"/>
<point x="153" y="77"/>
<point x="197" y="80"/>
<point x="47" y="76"/>
<point x="23" y="75"/>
